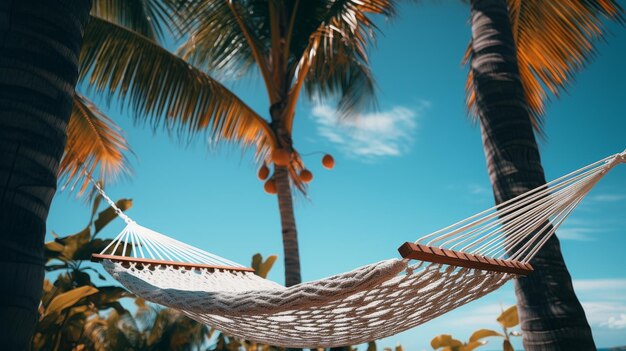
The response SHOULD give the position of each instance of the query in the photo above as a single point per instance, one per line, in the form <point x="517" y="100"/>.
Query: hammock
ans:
<point x="457" y="264"/>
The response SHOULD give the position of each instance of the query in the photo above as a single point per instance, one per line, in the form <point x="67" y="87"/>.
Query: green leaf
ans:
<point x="68" y="299"/>
<point x="100" y="276"/>
<point x="108" y="296"/>
<point x="371" y="346"/>
<point x="262" y="268"/>
<point x="70" y="245"/>
<point x="509" y="318"/>
<point x="483" y="333"/>
<point x="109" y="214"/>
<point x="80" y="278"/>
<point x="444" y="340"/>
<point x="145" y="17"/>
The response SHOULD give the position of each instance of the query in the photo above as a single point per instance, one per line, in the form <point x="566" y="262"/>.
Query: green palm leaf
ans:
<point x="327" y="44"/>
<point x="164" y="90"/>
<point x="334" y="61"/>
<point x="216" y="40"/>
<point x="150" y="18"/>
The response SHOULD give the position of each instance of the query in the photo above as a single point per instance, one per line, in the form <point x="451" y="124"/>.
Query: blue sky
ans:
<point x="413" y="166"/>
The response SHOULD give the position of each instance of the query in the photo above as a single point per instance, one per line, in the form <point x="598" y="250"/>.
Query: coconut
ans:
<point x="270" y="186"/>
<point x="263" y="173"/>
<point x="306" y="175"/>
<point x="281" y="157"/>
<point x="328" y="161"/>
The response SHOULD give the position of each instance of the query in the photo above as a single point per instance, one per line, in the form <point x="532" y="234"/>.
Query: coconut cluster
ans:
<point x="281" y="157"/>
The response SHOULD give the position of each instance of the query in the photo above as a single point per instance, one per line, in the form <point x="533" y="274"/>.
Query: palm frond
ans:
<point x="93" y="141"/>
<point x="316" y="16"/>
<point x="149" y="18"/>
<point x="340" y="72"/>
<point x="224" y="37"/>
<point x="555" y="40"/>
<point x="334" y="61"/>
<point x="164" y="90"/>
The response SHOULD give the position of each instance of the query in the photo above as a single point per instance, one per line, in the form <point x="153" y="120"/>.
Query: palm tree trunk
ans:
<point x="551" y="316"/>
<point x="288" y="225"/>
<point x="39" y="45"/>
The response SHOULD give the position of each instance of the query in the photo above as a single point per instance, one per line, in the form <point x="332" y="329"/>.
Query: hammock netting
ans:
<point x="368" y="303"/>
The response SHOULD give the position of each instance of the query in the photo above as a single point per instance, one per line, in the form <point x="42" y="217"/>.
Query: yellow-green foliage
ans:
<point x="262" y="268"/>
<point x="507" y="319"/>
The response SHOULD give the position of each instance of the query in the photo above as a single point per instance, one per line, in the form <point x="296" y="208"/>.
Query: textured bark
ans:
<point x="550" y="314"/>
<point x="39" y="45"/>
<point x="281" y="82"/>
<point x="288" y="225"/>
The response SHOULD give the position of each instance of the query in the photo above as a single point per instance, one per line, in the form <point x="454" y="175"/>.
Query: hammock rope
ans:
<point x="460" y="263"/>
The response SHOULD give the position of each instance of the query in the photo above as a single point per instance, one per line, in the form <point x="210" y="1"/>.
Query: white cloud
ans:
<point x="616" y="323"/>
<point x="607" y="197"/>
<point x="577" y="233"/>
<point x="601" y="285"/>
<point x="483" y="316"/>
<point x="604" y="314"/>
<point x="604" y="301"/>
<point x="477" y="189"/>
<point x="599" y="312"/>
<point x="370" y="135"/>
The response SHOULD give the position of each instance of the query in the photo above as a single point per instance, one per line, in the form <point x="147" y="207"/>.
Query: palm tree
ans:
<point x="519" y="51"/>
<point x="40" y="42"/>
<point x="49" y="131"/>
<point x="318" y="45"/>
<point x="95" y="142"/>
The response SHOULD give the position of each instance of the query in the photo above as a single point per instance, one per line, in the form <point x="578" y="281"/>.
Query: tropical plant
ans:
<point x="168" y="329"/>
<point x="520" y="52"/>
<point x="94" y="142"/>
<point x="507" y="319"/>
<point x="318" y="45"/>
<point x="73" y="301"/>
<point x="77" y="314"/>
<point x="49" y="131"/>
<point x="40" y="41"/>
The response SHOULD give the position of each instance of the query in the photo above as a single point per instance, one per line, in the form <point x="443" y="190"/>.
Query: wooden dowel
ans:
<point x="461" y="259"/>
<point x="98" y="258"/>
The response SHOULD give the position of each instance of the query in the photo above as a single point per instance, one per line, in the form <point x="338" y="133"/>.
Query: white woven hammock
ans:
<point x="369" y="303"/>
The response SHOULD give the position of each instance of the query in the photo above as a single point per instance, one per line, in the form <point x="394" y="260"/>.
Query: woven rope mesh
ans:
<point x="368" y="303"/>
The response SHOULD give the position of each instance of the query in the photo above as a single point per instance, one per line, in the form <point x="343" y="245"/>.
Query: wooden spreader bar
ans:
<point x="125" y="259"/>
<point x="460" y="259"/>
